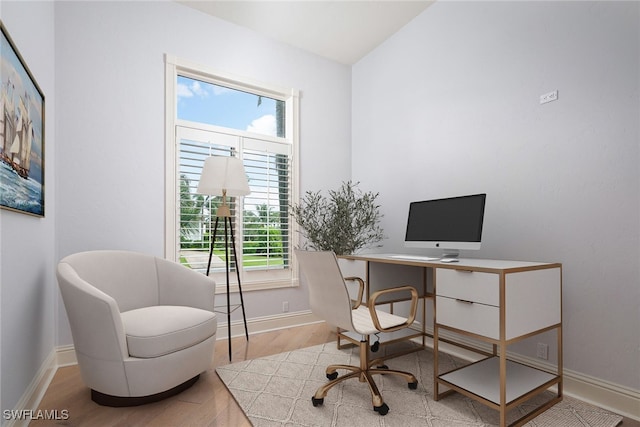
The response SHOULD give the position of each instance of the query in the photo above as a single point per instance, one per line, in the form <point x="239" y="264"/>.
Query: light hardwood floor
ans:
<point x="207" y="403"/>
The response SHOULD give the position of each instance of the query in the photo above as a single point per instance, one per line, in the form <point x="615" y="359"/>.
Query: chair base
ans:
<point x="121" y="401"/>
<point x="364" y="373"/>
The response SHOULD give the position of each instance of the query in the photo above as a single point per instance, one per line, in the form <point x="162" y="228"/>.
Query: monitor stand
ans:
<point x="450" y="253"/>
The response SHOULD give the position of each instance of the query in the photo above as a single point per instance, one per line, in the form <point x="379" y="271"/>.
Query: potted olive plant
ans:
<point x="344" y="222"/>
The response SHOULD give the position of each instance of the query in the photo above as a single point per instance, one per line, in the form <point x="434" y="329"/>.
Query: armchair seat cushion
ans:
<point x="162" y="329"/>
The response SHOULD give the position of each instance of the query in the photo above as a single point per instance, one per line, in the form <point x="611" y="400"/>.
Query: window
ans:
<point x="210" y="114"/>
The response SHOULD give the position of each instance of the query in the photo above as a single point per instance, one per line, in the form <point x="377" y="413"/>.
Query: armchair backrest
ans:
<point x="328" y="295"/>
<point x="130" y="278"/>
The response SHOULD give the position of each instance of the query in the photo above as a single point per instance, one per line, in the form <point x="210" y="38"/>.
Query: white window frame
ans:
<point x="175" y="67"/>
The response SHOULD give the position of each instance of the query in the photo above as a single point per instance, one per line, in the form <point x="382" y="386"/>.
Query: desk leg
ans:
<point x="425" y="281"/>
<point x="436" y="394"/>
<point x="559" y="362"/>
<point x="503" y="386"/>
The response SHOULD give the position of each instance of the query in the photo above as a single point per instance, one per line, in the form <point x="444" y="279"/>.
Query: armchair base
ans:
<point x="122" y="401"/>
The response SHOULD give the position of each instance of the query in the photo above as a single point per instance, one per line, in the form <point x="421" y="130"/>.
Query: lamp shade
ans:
<point x="223" y="173"/>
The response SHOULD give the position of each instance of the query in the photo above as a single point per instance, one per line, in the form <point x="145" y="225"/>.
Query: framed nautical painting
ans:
<point x="21" y="133"/>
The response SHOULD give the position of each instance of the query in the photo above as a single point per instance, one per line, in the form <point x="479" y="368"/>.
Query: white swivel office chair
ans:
<point x="330" y="300"/>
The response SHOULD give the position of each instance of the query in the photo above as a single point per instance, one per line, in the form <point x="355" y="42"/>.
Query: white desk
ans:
<point x="495" y="301"/>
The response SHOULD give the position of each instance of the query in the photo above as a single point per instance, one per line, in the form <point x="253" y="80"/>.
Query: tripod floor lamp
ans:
<point x="225" y="176"/>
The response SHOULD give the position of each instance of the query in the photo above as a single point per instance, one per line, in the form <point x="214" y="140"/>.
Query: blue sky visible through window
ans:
<point x="204" y="102"/>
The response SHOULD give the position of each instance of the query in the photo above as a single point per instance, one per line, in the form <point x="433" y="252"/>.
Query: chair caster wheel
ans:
<point x="382" y="367"/>
<point x="382" y="410"/>
<point x="413" y="385"/>
<point x="317" y="402"/>
<point x="332" y="376"/>
<point x="375" y="347"/>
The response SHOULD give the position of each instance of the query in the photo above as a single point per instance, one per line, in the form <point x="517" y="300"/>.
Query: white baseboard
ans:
<point x="25" y="409"/>
<point x="66" y="356"/>
<point x="613" y="397"/>
<point x="258" y="325"/>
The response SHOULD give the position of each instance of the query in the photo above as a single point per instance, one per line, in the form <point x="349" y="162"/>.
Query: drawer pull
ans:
<point x="464" y="301"/>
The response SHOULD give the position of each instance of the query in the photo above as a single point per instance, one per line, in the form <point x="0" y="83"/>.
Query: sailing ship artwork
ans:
<point x="21" y="133"/>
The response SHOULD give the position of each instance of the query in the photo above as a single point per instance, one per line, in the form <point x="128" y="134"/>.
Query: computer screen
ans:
<point x="451" y="224"/>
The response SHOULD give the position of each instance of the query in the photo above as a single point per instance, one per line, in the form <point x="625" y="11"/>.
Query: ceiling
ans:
<point x="343" y="31"/>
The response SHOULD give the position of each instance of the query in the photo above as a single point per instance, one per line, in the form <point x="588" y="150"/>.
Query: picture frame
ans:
<point x="22" y="154"/>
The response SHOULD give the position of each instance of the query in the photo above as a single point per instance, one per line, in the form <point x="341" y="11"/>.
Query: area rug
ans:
<point x="276" y="391"/>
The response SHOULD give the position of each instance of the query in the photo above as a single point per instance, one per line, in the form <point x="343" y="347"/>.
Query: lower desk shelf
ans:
<point x="483" y="379"/>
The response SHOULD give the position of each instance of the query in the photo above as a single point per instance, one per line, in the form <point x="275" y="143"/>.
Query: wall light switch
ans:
<point x="548" y="97"/>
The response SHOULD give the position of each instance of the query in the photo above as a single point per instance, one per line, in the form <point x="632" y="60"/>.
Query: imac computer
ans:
<point x="450" y="224"/>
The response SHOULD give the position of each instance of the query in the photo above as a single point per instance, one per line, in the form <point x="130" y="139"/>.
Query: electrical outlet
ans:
<point x="548" y="97"/>
<point x="285" y="306"/>
<point x="543" y="351"/>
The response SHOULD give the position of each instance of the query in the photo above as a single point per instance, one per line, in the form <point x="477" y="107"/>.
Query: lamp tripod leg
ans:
<point x="227" y="263"/>
<point x="233" y="245"/>
<point x="228" y="223"/>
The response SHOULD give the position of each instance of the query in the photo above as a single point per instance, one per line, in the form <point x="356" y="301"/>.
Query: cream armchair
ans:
<point x="143" y="327"/>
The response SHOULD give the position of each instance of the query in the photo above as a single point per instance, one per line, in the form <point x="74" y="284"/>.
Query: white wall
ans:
<point x="28" y="292"/>
<point x="450" y="106"/>
<point x="110" y="72"/>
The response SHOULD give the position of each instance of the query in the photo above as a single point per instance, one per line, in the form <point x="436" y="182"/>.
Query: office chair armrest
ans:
<point x="412" y="310"/>
<point x="356" y="303"/>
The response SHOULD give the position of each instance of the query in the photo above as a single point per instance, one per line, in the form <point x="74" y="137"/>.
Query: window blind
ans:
<point x="262" y="225"/>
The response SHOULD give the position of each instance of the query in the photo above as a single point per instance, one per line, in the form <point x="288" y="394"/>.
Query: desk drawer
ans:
<point x="473" y="286"/>
<point x="471" y="317"/>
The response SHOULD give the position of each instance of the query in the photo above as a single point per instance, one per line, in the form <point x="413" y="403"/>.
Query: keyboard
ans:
<point x="415" y="257"/>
